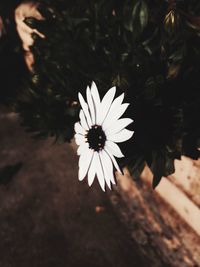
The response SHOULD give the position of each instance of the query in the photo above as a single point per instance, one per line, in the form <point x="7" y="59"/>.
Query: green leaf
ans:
<point x="143" y="14"/>
<point x="136" y="17"/>
<point x="162" y="165"/>
<point x="157" y="168"/>
<point x="169" y="166"/>
<point x="136" y="167"/>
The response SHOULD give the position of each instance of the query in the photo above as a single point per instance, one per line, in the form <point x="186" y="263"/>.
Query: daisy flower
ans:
<point x="97" y="133"/>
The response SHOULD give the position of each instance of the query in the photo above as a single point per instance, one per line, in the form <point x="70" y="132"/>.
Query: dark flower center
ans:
<point x="96" y="138"/>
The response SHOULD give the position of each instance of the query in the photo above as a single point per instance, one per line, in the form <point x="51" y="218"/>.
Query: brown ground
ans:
<point x="47" y="217"/>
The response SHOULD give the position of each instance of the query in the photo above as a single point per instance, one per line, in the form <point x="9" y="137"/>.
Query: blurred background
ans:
<point x="48" y="218"/>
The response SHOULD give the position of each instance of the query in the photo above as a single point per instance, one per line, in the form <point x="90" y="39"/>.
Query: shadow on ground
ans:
<point x="47" y="217"/>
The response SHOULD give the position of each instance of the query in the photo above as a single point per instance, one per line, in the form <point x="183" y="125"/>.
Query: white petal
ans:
<point x="114" y="149"/>
<point x="113" y="160"/>
<point x="117" y="126"/>
<point x="91" y="105"/>
<point x="107" y="168"/>
<point x="84" y="163"/>
<point x="96" y="99"/>
<point x="117" y="102"/>
<point x="85" y="109"/>
<point x="99" y="171"/>
<point x="95" y="94"/>
<point x="114" y="115"/>
<point x="82" y="148"/>
<point x="79" y="139"/>
<point x="83" y="120"/>
<point x="121" y="136"/>
<point x="105" y="173"/>
<point x="92" y="170"/>
<point x="79" y="129"/>
<point x="106" y="104"/>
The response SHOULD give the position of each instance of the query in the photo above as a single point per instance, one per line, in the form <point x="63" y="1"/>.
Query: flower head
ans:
<point x="97" y="133"/>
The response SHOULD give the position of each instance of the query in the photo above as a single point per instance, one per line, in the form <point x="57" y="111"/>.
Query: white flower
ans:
<point x="97" y="133"/>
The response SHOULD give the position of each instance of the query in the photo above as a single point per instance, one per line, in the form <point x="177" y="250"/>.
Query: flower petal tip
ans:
<point x="79" y="95"/>
<point x="90" y="184"/>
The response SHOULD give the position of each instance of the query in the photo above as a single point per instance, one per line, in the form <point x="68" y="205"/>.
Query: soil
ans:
<point x="47" y="217"/>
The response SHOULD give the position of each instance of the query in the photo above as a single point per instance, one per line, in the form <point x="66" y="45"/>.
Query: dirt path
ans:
<point x="47" y="217"/>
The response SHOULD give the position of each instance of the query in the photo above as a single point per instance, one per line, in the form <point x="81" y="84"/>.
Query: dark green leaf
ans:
<point x="136" y="167"/>
<point x="157" y="168"/>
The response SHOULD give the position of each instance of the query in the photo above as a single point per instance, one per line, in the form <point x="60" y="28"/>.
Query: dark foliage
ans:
<point x="149" y="49"/>
<point x="12" y="65"/>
